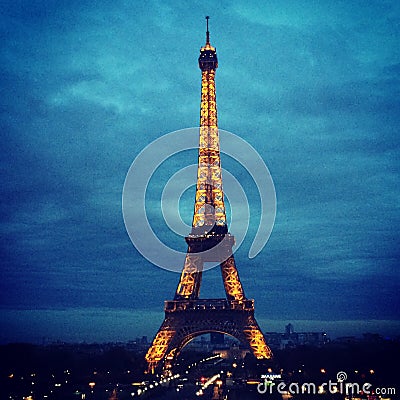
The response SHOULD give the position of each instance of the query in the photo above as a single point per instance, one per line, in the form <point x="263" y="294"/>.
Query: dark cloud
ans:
<point x="315" y="90"/>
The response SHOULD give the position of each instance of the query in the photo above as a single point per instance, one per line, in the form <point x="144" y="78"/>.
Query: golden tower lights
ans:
<point x="209" y="240"/>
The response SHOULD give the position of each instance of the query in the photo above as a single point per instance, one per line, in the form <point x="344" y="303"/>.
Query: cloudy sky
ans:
<point x="85" y="86"/>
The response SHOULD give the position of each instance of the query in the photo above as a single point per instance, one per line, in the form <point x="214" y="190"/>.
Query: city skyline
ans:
<point x="313" y="89"/>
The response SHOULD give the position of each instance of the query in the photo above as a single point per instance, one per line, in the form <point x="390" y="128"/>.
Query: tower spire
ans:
<point x="207" y="33"/>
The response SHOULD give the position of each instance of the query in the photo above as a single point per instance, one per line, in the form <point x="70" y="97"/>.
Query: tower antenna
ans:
<point x="207" y="33"/>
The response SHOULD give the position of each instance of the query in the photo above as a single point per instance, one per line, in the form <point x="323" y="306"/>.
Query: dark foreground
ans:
<point x="101" y="372"/>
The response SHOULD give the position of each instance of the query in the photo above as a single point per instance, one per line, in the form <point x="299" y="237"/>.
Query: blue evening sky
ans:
<point x="312" y="85"/>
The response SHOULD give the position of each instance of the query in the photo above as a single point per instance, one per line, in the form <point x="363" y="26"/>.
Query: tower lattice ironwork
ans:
<point x="188" y="316"/>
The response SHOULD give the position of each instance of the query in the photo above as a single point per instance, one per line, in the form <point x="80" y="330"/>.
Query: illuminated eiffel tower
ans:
<point x="187" y="316"/>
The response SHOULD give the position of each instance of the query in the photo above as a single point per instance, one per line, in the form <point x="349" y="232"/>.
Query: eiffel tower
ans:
<point x="188" y="316"/>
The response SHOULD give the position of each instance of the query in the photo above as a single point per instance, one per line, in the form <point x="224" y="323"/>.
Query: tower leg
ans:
<point x="255" y="339"/>
<point x="230" y="276"/>
<point x="190" y="281"/>
<point x="159" y="346"/>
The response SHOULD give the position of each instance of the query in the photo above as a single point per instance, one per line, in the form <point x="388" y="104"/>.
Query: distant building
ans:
<point x="291" y="339"/>
<point x="346" y="339"/>
<point x="372" y="337"/>
<point x="216" y="338"/>
<point x="289" y="329"/>
<point x="232" y="352"/>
